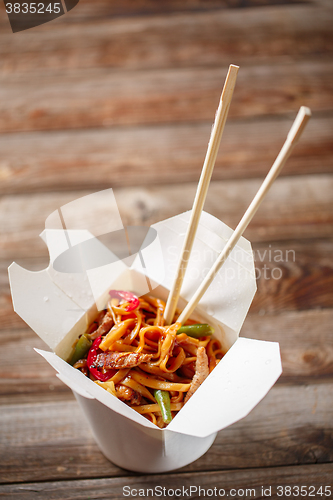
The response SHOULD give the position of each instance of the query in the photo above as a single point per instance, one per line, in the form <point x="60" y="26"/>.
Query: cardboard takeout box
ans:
<point x="58" y="306"/>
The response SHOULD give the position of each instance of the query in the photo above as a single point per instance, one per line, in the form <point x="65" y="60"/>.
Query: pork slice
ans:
<point x="127" y="394"/>
<point x="104" y="327"/>
<point x="201" y="372"/>
<point x="118" y="360"/>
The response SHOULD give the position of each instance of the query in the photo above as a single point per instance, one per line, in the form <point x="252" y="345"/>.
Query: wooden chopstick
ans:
<point x="207" y="170"/>
<point x="292" y="138"/>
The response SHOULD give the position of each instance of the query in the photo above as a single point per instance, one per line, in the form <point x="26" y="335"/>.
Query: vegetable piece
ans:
<point x="196" y="331"/>
<point x="81" y="348"/>
<point x="92" y="355"/>
<point x="163" y="400"/>
<point x="133" y="301"/>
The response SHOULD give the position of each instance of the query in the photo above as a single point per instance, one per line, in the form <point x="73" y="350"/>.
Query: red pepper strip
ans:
<point x="91" y="358"/>
<point x="133" y="301"/>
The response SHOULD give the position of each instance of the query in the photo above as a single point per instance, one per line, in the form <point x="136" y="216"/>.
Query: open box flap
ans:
<point x="50" y="302"/>
<point x="79" y="285"/>
<point x="42" y="305"/>
<point x="230" y="295"/>
<point x="238" y="383"/>
<point x="78" y="382"/>
<point x="54" y="303"/>
<point x="81" y="384"/>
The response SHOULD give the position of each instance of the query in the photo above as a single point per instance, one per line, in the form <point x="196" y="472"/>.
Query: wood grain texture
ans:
<point x="292" y="425"/>
<point x="293" y="276"/>
<point x="97" y="159"/>
<point x="104" y="8"/>
<point x="295" y="208"/>
<point x="246" y="482"/>
<point x="104" y="98"/>
<point x="32" y="380"/>
<point x="101" y="9"/>
<point x="305" y="339"/>
<point x="178" y="40"/>
<point x="249" y="481"/>
<point x="123" y="94"/>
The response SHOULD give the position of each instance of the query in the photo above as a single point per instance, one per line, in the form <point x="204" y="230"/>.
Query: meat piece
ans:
<point x="127" y="394"/>
<point x="188" y="344"/>
<point x="201" y="372"/>
<point x="120" y="360"/>
<point x="104" y="327"/>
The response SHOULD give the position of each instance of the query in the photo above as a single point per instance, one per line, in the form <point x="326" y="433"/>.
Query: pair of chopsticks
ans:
<point x="221" y="116"/>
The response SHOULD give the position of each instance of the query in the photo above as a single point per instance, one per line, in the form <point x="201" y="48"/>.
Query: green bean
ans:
<point x="196" y="331"/>
<point x="81" y="348"/>
<point x="163" y="400"/>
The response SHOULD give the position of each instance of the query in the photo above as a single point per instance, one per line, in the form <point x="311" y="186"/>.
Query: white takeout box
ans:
<point x="59" y="306"/>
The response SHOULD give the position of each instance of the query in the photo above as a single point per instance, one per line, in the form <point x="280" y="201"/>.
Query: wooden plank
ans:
<point x="52" y="441"/>
<point x="100" y="98"/>
<point x="101" y="9"/>
<point x="97" y="159"/>
<point x="305" y="340"/>
<point x="104" y="8"/>
<point x="250" y="483"/>
<point x="296" y="208"/>
<point x="293" y="276"/>
<point x="219" y="38"/>
<point x="29" y="379"/>
<point x="323" y="3"/>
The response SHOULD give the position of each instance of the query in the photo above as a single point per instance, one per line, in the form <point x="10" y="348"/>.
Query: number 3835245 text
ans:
<point x="33" y="8"/>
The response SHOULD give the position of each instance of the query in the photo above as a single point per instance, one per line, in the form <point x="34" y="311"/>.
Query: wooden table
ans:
<point x="122" y="94"/>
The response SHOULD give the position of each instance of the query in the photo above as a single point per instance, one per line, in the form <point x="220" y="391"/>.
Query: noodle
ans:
<point x="142" y="362"/>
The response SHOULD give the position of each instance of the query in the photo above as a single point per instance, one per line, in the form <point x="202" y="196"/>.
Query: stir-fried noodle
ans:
<point x="151" y="367"/>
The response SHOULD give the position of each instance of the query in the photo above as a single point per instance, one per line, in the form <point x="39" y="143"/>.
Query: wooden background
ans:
<point x="123" y="94"/>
